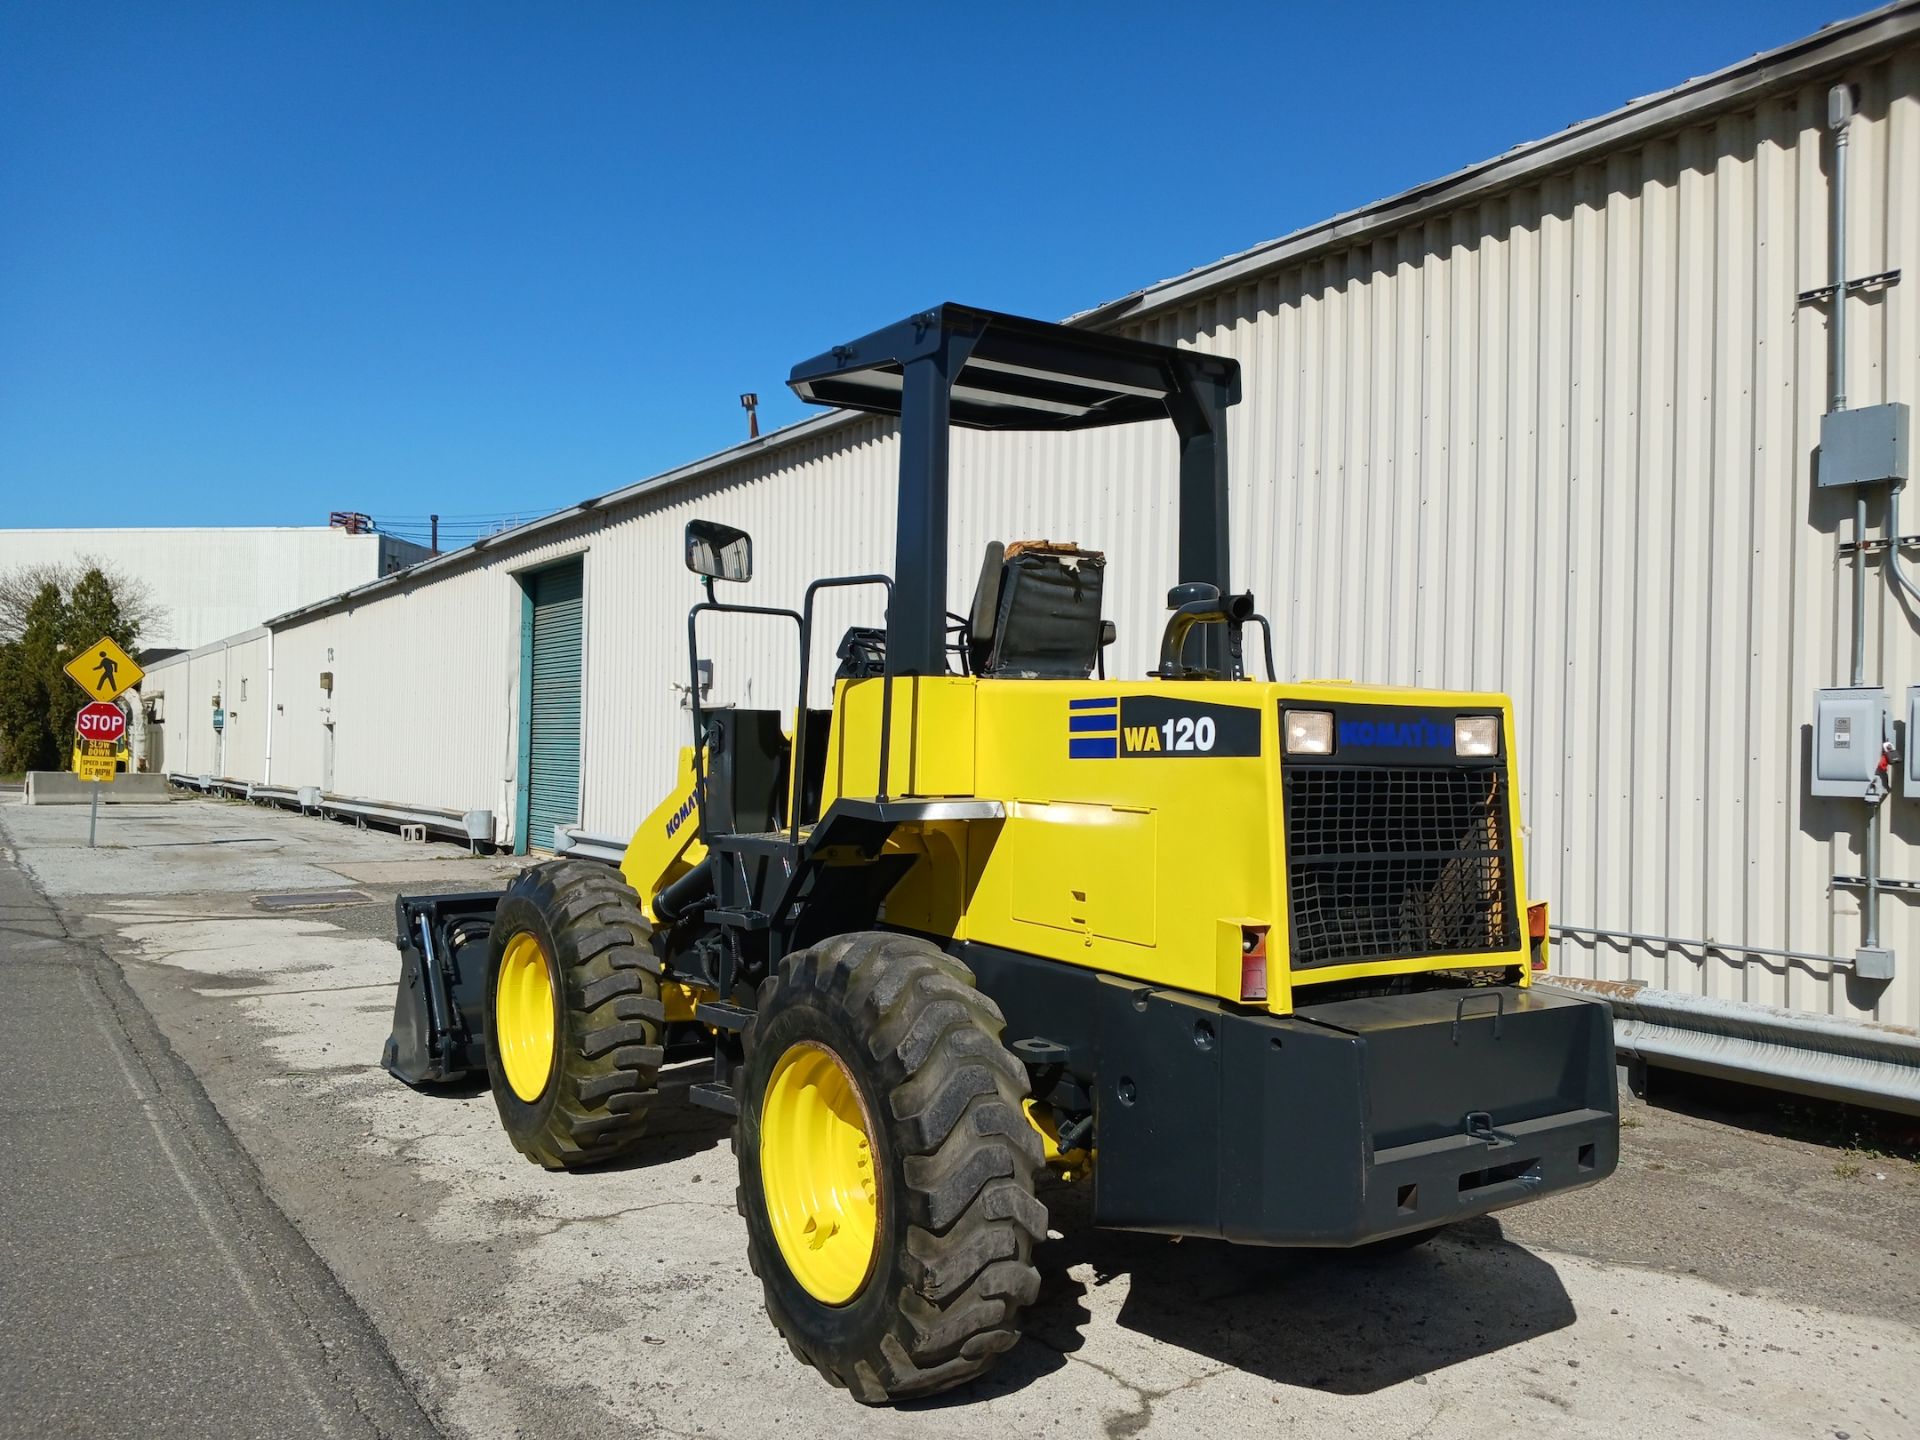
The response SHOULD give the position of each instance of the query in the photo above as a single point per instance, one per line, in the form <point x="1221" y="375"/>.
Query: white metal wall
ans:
<point x="1559" y="444"/>
<point x="214" y="581"/>
<point x="238" y="671"/>
<point x="1556" y="443"/>
<point x="423" y="695"/>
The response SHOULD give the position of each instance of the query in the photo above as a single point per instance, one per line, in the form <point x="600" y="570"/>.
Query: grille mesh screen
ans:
<point x="1397" y="863"/>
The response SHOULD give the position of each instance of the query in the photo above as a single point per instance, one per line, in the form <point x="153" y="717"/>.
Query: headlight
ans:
<point x="1476" y="736"/>
<point x="1308" y="732"/>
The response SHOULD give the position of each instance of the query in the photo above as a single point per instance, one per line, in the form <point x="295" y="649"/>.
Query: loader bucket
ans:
<point x="439" y="1035"/>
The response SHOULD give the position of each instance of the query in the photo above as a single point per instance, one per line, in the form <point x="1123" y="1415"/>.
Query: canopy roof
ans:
<point x="1015" y="374"/>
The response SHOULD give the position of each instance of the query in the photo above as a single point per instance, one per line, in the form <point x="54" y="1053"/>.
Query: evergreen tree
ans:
<point x="38" y="702"/>
<point x="29" y="669"/>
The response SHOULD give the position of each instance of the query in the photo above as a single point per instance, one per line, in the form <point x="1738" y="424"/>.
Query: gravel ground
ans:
<point x="1724" y="1281"/>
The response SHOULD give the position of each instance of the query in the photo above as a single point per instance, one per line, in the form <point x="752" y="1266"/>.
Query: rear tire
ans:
<point x="580" y="924"/>
<point x="953" y="1218"/>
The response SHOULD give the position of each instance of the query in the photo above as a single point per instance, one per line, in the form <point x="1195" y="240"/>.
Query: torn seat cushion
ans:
<point x="1048" y="623"/>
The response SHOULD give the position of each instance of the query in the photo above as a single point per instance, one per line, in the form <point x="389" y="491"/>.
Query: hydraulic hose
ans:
<point x="693" y="888"/>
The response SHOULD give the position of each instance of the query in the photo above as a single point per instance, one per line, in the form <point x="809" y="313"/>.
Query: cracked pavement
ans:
<point x="1723" y="1281"/>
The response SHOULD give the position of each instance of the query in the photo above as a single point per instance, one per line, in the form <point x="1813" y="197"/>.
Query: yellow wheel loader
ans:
<point x="1250" y="958"/>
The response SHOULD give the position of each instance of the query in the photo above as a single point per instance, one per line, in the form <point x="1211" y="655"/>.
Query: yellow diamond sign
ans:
<point x="104" y="670"/>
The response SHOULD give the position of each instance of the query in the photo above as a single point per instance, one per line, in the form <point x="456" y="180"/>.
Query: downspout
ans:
<point x="226" y="703"/>
<point x="266" y="765"/>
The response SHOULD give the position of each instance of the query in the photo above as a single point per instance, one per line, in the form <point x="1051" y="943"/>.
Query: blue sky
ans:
<point x="258" y="262"/>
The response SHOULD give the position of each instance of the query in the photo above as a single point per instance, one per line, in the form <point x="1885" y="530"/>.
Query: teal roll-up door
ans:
<point x="553" y="717"/>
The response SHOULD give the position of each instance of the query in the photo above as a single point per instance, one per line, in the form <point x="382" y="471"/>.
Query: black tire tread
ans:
<point x="609" y="981"/>
<point x="969" y="1158"/>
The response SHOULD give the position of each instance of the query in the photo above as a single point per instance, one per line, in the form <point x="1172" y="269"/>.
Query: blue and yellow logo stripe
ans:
<point x="1093" y="729"/>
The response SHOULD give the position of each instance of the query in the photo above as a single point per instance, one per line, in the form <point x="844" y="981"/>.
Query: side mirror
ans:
<point x="718" y="551"/>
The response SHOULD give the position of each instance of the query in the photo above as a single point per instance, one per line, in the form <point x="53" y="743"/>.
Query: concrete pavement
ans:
<point x="147" y="1285"/>
<point x="1723" y="1282"/>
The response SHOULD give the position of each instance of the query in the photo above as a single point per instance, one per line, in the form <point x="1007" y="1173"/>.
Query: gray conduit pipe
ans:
<point x="1896" y="571"/>
<point x="1839" y="118"/>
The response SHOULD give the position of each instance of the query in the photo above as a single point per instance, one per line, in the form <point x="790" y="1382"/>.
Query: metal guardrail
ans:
<point x="473" y="826"/>
<point x="212" y="785"/>
<point x="574" y="843"/>
<point x="304" y="798"/>
<point x="1818" y="1055"/>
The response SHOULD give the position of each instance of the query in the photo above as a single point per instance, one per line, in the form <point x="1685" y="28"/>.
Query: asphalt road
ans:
<point x="147" y="1285"/>
<point x="1724" y="1282"/>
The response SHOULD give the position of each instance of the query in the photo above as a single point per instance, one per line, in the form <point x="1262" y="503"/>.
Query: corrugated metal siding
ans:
<point x="557" y="599"/>
<point x="238" y="671"/>
<point x="1559" y="444"/>
<point x="1556" y="442"/>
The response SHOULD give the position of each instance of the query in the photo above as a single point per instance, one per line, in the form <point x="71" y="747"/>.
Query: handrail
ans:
<point x="693" y="687"/>
<point x="836" y="582"/>
<point x="1266" y="638"/>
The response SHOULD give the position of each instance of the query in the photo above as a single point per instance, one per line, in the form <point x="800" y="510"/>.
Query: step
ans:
<point x="722" y="1015"/>
<point x="738" y="919"/>
<point x="715" y="1096"/>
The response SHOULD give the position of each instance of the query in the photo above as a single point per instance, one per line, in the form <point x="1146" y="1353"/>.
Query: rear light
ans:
<point x="1537" y="933"/>
<point x="1253" y="962"/>
<point x="1476" y="736"/>
<point x="1307" y="732"/>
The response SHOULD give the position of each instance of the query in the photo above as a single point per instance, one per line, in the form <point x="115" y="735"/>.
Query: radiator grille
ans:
<point x="1397" y="863"/>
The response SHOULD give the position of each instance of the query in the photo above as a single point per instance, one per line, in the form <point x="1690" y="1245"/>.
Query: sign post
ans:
<point x="105" y="672"/>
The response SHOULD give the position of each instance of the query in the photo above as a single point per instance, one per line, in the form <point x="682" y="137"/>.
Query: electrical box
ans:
<point x="1867" y="446"/>
<point x="1873" y="962"/>
<point x="1850" y="727"/>
<point x="1910" y="761"/>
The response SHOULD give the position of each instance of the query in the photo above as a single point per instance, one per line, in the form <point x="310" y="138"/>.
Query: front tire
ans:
<point x="573" y="1014"/>
<point x="887" y="1170"/>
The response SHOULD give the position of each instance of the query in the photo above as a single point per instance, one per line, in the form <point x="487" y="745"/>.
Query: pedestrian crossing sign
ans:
<point x="104" y="670"/>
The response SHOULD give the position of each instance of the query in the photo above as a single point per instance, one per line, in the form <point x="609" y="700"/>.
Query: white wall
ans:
<point x="183" y="689"/>
<point x="212" y="582"/>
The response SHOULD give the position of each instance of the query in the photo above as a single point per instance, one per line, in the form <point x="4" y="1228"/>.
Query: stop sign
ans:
<point x="100" y="721"/>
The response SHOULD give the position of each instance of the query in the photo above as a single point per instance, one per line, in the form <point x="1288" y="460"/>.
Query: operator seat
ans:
<point x="1036" y="612"/>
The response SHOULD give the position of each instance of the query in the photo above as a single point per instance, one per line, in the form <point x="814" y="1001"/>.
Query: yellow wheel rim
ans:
<point x="523" y="1016"/>
<point x="817" y="1172"/>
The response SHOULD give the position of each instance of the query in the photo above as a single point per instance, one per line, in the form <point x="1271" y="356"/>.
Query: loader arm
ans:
<point x="667" y="844"/>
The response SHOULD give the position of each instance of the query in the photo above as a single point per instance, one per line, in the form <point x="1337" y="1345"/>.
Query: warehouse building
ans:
<point x="1549" y="425"/>
<point x="207" y="582"/>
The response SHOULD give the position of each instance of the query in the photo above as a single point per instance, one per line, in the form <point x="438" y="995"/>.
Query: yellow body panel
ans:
<point x="1128" y="865"/>
<point x="932" y="752"/>
<point x="1144" y="862"/>
<point x="1141" y="852"/>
